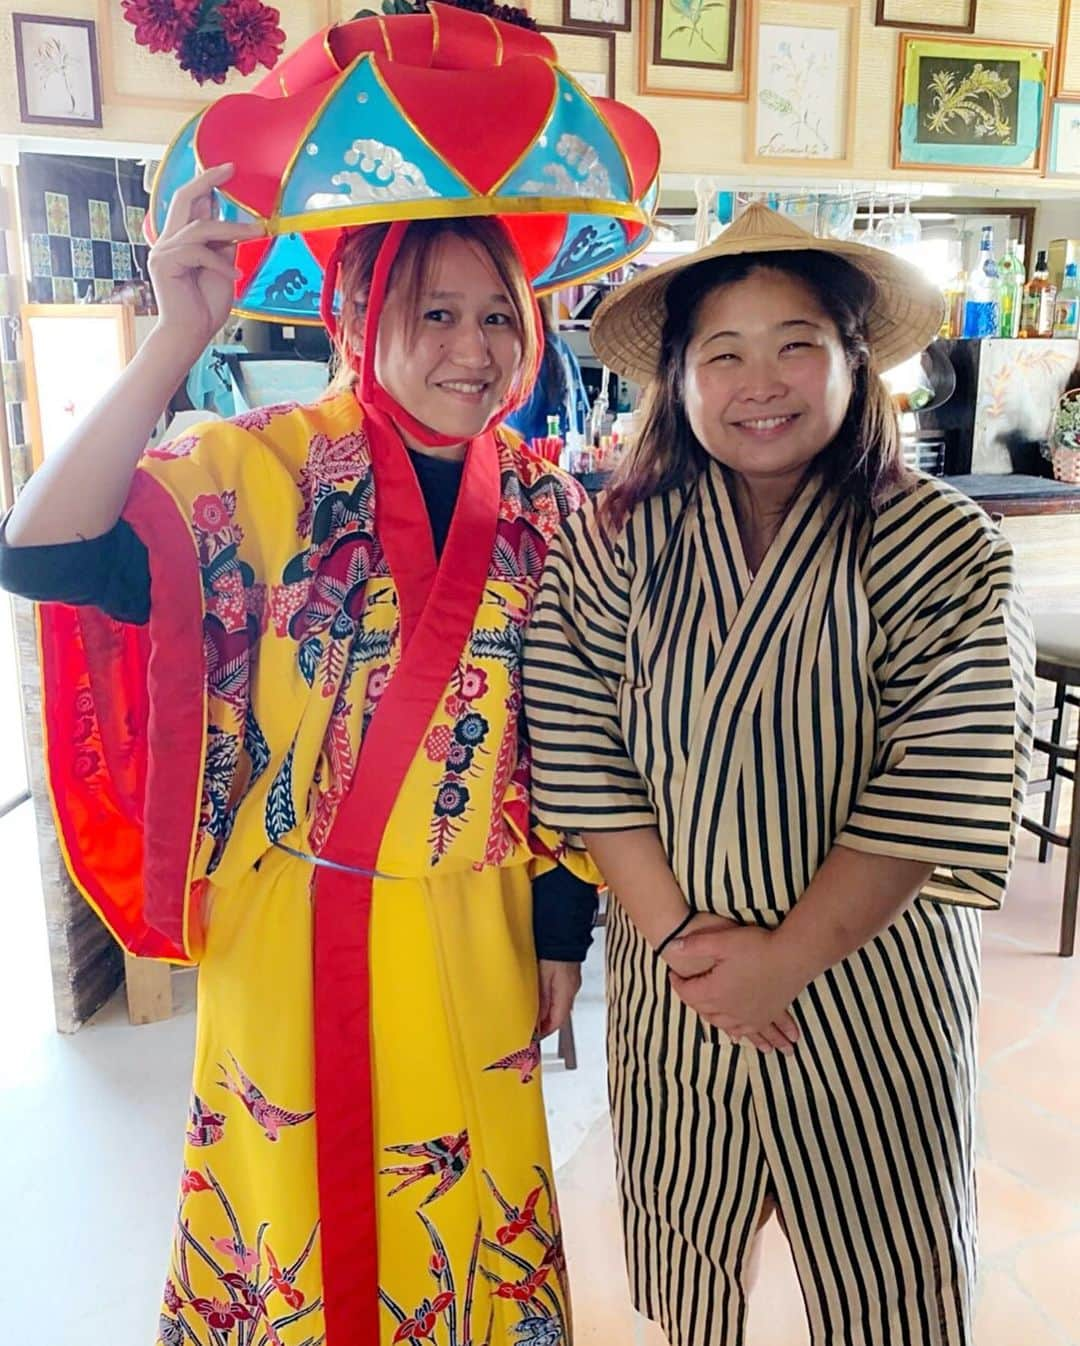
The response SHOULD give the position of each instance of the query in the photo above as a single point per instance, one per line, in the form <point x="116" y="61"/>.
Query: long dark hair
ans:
<point x="864" y="458"/>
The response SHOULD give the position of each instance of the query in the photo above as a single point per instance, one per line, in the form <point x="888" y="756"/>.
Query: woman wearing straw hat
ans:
<point x="285" y="741"/>
<point x="783" y="688"/>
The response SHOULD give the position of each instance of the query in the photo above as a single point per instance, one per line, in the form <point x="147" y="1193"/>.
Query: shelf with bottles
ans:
<point x="997" y="300"/>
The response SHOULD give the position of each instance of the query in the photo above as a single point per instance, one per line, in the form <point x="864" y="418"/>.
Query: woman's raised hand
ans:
<point x="193" y="263"/>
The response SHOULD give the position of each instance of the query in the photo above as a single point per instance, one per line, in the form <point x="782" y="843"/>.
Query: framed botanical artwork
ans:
<point x="964" y="103"/>
<point x="56" y="68"/>
<point x="695" y="33"/>
<point x="604" y="15"/>
<point x="587" y="55"/>
<point x="803" y="82"/>
<point x="695" y="48"/>
<point x="950" y="16"/>
<point x="1063" y="149"/>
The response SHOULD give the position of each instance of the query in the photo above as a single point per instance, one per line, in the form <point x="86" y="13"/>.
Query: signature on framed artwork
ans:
<point x="56" y="68"/>
<point x="698" y="33"/>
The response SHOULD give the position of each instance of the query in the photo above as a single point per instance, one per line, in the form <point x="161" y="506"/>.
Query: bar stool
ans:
<point x="1057" y="641"/>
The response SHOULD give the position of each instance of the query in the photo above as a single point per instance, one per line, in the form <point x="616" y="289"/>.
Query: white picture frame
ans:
<point x="1063" y="152"/>
<point x="74" y="354"/>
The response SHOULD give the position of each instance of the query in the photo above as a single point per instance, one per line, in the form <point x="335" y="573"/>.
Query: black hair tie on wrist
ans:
<point x="675" y="933"/>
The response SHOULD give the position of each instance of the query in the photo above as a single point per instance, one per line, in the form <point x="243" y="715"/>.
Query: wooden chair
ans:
<point x="1057" y="639"/>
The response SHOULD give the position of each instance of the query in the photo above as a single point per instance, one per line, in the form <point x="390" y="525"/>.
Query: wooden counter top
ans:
<point x="1013" y="494"/>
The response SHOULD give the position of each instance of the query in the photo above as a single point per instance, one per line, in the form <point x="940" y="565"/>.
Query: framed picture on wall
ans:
<point x="803" y="84"/>
<point x="950" y="16"/>
<point x="965" y="103"/>
<point x="56" y="68"/>
<point x="606" y="15"/>
<point x="588" y="55"/>
<point x="669" y="68"/>
<point x="695" y="33"/>
<point x="1063" y="151"/>
<point x="74" y="354"/>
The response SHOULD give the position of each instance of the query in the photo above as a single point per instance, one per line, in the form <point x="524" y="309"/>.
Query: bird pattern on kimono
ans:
<point x="526" y="1060"/>
<point x="266" y="1114"/>
<point x="446" y="1157"/>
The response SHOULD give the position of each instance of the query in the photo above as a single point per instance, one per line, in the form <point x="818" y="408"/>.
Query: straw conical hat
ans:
<point x="906" y="315"/>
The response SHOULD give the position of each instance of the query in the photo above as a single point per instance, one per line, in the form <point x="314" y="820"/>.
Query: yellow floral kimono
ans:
<point x="366" y="1157"/>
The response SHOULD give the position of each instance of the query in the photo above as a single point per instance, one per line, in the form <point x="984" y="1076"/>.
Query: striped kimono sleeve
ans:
<point x="956" y="683"/>
<point x="575" y="656"/>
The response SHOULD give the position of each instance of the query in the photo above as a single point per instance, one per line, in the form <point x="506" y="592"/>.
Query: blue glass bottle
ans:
<point x="982" y="303"/>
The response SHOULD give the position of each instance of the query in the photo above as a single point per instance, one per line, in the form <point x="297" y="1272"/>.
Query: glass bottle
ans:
<point x="1040" y="296"/>
<point x="1011" y="282"/>
<point x="982" y="303"/>
<point x="1067" y="308"/>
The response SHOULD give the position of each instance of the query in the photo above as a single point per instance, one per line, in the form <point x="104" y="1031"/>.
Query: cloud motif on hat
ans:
<point x="385" y="175"/>
<point x="582" y="174"/>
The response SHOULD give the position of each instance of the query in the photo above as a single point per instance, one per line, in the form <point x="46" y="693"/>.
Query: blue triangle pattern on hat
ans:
<point x="363" y="152"/>
<point x="288" y="282"/>
<point x="574" y="155"/>
<point x="592" y="243"/>
<point x="177" y="169"/>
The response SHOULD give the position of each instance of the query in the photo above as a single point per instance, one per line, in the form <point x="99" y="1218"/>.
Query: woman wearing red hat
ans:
<point x="283" y="683"/>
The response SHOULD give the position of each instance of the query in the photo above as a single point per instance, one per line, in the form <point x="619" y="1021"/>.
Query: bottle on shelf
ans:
<point x="982" y="302"/>
<point x="1040" y="296"/>
<point x="952" y="325"/>
<point x="1011" y="278"/>
<point x="1067" y="308"/>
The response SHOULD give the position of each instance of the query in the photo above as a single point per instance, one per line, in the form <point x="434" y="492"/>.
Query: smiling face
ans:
<point x="766" y="378"/>
<point x="451" y="355"/>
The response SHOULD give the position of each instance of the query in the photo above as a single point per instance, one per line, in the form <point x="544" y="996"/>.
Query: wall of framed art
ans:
<point x="696" y="86"/>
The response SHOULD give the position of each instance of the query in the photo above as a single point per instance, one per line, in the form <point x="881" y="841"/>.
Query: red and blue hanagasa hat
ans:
<point x="419" y="116"/>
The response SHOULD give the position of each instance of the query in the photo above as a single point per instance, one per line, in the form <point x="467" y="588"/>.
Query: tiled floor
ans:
<point x="90" y="1129"/>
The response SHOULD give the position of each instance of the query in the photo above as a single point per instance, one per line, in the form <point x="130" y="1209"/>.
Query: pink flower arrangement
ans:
<point x="209" y="37"/>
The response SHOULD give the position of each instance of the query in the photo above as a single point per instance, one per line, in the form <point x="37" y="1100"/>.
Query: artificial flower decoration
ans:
<point x="209" y="37"/>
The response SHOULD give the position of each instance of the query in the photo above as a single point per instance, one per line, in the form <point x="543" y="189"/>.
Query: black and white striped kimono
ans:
<point x="870" y="686"/>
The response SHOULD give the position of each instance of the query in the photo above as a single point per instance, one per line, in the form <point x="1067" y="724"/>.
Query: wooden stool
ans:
<point x="1057" y="640"/>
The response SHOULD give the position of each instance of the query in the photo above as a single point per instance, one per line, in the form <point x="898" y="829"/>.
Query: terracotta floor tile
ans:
<point x="1007" y="1316"/>
<point x="1020" y="975"/>
<point x="1045" y="1071"/>
<point x="1050" y="1273"/>
<point x="1012" y="1212"/>
<point x="1003" y="1024"/>
<point x="1039" y="1149"/>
